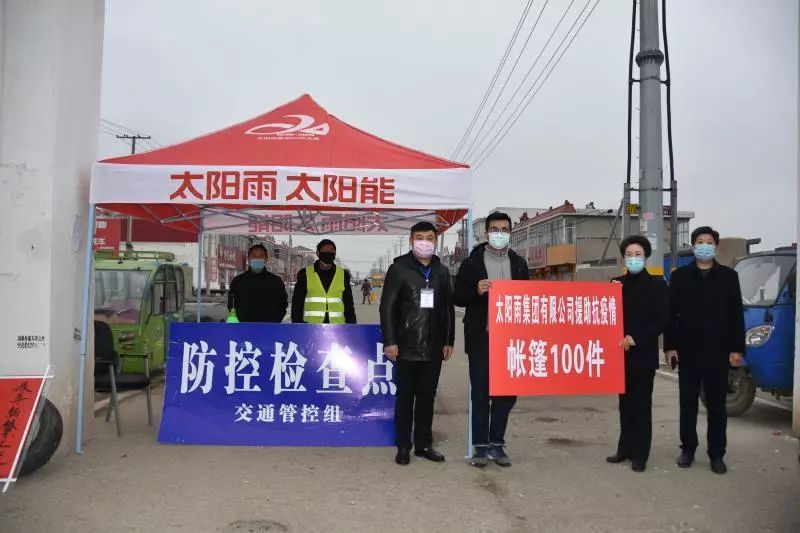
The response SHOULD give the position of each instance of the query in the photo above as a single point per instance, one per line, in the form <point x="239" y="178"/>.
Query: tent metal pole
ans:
<point x="199" y="296"/>
<point x="84" y="340"/>
<point x="470" y="244"/>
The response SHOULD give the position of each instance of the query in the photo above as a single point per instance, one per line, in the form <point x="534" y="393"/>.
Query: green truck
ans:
<point x="139" y="294"/>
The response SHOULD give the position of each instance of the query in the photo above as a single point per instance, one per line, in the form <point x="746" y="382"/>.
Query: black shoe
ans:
<point x="718" y="466"/>
<point x="500" y="457"/>
<point x="617" y="458"/>
<point x="638" y="466"/>
<point x="685" y="460"/>
<point x="430" y="454"/>
<point x="481" y="457"/>
<point x="403" y="456"/>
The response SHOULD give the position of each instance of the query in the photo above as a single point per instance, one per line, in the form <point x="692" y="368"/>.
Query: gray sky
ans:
<point x="414" y="72"/>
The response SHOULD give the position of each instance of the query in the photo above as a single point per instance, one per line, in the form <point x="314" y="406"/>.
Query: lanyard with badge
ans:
<point x="426" y="294"/>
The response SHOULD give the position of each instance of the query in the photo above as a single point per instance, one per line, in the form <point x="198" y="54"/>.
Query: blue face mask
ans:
<point x="634" y="264"/>
<point x="705" y="252"/>
<point x="257" y="265"/>
<point x="499" y="240"/>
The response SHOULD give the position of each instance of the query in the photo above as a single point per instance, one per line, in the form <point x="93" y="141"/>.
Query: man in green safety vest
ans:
<point x="323" y="293"/>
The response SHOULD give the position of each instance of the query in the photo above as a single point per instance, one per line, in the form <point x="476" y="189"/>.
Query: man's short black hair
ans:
<point x="498" y="216"/>
<point x="325" y="242"/>
<point x="257" y="247"/>
<point x="636" y="239"/>
<point x="705" y="230"/>
<point x="423" y="227"/>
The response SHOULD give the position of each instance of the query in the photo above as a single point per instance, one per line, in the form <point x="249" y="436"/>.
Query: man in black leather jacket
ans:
<point x="418" y="327"/>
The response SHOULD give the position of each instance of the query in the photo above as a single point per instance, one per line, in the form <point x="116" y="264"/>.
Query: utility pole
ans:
<point x="651" y="185"/>
<point x="129" y="229"/>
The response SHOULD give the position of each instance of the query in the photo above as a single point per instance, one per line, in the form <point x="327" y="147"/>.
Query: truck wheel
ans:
<point x="44" y="443"/>
<point x="741" y="392"/>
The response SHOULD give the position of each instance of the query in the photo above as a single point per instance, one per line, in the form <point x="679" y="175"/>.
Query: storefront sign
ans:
<point x="278" y="385"/>
<point x="229" y="258"/>
<point x="107" y="234"/>
<point x="555" y="338"/>
<point x="537" y="256"/>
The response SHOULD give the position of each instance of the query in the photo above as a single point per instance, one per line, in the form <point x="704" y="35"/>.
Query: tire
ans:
<point x="46" y="440"/>
<point x="741" y="392"/>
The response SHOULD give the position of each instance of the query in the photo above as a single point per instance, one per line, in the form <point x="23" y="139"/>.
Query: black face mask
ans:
<point x="327" y="257"/>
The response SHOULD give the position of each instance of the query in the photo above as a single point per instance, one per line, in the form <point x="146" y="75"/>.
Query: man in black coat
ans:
<point x="256" y="294"/>
<point x="418" y="327"/>
<point x="706" y="337"/>
<point x="645" y="303"/>
<point x="488" y="261"/>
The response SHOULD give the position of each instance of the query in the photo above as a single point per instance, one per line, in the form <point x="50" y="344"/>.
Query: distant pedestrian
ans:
<point x="366" y="292"/>
<point x="418" y="327"/>
<point x="645" y="303"/>
<point x="706" y="337"/>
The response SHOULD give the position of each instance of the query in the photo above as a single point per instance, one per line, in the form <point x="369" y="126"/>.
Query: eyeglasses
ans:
<point x="495" y="231"/>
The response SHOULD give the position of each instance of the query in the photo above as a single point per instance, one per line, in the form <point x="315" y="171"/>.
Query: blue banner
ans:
<point x="277" y="385"/>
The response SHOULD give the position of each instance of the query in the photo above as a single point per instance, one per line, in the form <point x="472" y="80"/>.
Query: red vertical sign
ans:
<point x="107" y="233"/>
<point x="555" y="338"/>
<point x="18" y="398"/>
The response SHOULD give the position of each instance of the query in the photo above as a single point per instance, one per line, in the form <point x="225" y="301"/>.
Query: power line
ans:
<point x="120" y="126"/>
<point x="508" y="78"/>
<point x="479" y="147"/>
<point x="521" y="21"/>
<point x="541" y="85"/>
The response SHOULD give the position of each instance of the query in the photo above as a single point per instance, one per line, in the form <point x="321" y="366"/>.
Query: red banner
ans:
<point x="107" y="234"/>
<point x="18" y="397"/>
<point x="555" y="338"/>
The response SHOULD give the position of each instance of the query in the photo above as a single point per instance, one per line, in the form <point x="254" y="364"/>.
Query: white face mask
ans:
<point x="499" y="240"/>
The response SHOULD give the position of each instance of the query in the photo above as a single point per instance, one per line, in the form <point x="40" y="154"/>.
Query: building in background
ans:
<point x="224" y="256"/>
<point x="561" y="240"/>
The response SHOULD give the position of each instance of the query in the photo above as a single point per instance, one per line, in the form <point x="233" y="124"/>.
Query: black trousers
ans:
<point x="636" y="413"/>
<point x="416" y="391"/>
<point x="489" y="413"/>
<point x="714" y="381"/>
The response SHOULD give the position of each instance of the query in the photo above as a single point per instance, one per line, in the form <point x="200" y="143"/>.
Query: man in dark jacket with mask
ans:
<point x="488" y="261"/>
<point x="418" y="327"/>
<point x="706" y="337"/>
<point x="257" y="295"/>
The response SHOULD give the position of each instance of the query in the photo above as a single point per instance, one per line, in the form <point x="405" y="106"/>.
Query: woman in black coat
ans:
<point x="645" y="301"/>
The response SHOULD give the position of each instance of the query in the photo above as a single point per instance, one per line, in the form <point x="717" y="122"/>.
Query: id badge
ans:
<point x="426" y="299"/>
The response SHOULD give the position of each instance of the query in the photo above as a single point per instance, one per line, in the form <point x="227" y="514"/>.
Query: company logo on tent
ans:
<point x="304" y="128"/>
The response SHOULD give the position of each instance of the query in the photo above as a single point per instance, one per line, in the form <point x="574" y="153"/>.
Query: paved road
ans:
<point x="559" y="482"/>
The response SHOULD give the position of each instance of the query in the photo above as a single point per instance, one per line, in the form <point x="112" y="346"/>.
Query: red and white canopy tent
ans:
<point x="295" y="169"/>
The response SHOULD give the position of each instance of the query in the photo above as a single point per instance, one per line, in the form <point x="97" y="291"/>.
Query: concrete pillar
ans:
<point x="50" y="62"/>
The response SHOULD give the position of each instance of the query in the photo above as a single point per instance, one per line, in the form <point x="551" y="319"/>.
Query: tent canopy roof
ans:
<point x="300" y="133"/>
<point x="296" y="158"/>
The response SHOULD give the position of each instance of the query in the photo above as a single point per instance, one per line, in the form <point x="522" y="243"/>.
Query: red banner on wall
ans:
<point x="18" y="398"/>
<point x="555" y="338"/>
